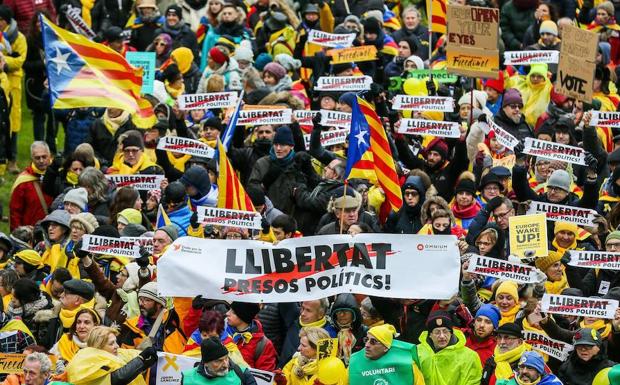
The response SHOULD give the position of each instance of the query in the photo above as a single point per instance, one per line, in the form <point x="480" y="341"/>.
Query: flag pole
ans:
<point x="344" y="197"/>
<point x="430" y="38"/>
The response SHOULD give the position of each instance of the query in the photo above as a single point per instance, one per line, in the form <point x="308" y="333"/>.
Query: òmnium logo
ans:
<point x="432" y="247"/>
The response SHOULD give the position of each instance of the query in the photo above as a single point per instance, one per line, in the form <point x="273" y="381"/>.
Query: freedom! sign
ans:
<point x="311" y="267"/>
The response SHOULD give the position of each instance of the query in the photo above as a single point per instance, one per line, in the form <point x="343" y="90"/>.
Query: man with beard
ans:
<point x="510" y="347"/>
<point x="510" y="117"/>
<point x="169" y="336"/>
<point x="216" y="367"/>
<point x="586" y="361"/>
<point x="481" y="335"/>
<point x="531" y="371"/>
<point x="244" y="158"/>
<point x="407" y="219"/>
<point x="181" y="33"/>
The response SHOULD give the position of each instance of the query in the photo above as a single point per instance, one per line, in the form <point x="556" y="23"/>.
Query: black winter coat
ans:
<point x="103" y="142"/>
<point x="519" y="130"/>
<point x="574" y="371"/>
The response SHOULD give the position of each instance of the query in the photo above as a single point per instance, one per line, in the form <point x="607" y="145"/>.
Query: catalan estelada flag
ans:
<point x="162" y="218"/>
<point x="231" y="194"/>
<point x="367" y="135"/>
<point x="82" y="73"/>
<point x="436" y="10"/>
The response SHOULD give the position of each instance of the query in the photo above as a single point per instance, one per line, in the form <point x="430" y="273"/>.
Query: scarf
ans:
<point x="29" y="309"/>
<point x="210" y="143"/>
<point x="304" y="367"/>
<point x="319" y="324"/>
<point x="125" y="169"/>
<point x="560" y="249"/>
<point x="131" y="307"/>
<point x="600" y="325"/>
<point x="510" y="315"/>
<point x="178" y="163"/>
<point x="174" y="92"/>
<point x="467" y="212"/>
<point x="67" y="317"/>
<point x="36" y="170"/>
<point x="112" y="124"/>
<point x="557" y="286"/>
<point x="72" y="178"/>
<point x="287" y="160"/>
<point x="503" y="370"/>
<point x="346" y="342"/>
<point x="237" y="336"/>
<point x="68" y="346"/>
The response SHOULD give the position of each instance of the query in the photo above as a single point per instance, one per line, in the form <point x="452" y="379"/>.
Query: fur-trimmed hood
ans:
<point x="282" y="97"/>
<point x="438" y="201"/>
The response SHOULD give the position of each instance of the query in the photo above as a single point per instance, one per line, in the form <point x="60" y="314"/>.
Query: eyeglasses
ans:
<point x="411" y="193"/>
<point x="501" y="215"/>
<point x="514" y="106"/>
<point x="371" y="341"/>
<point x="233" y="236"/>
<point x="160" y="43"/>
<point x="491" y="187"/>
<point x="131" y="150"/>
<point x="614" y="245"/>
<point x="438" y="332"/>
<point x="554" y="189"/>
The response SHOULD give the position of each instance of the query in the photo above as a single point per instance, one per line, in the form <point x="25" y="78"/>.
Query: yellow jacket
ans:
<point x="310" y="371"/>
<point x="15" y="62"/>
<point x="92" y="366"/>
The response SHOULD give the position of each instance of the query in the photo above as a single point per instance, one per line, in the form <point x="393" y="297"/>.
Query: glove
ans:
<point x="482" y="118"/>
<point x="565" y="258"/>
<point x="518" y="150"/>
<point x="494" y="203"/>
<point x="144" y="260"/>
<point x="316" y="119"/>
<point x="591" y="161"/>
<point x="78" y="252"/>
<point x="149" y="356"/>
<point x="199" y="303"/>
<point x="430" y="86"/>
<point x="265" y="226"/>
<point x="279" y="378"/>
<point x="193" y="220"/>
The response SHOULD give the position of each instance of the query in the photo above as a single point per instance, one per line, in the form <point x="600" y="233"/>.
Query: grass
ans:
<point x="24" y="140"/>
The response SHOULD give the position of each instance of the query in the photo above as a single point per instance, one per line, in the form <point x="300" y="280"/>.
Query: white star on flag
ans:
<point x="61" y="61"/>
<point x="360" y="138"/>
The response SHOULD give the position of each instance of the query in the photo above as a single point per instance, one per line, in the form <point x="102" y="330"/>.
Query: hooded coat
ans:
<point x="575" y="371"/>
<point x="407" y="219"/>
<point x="346" y="301"/>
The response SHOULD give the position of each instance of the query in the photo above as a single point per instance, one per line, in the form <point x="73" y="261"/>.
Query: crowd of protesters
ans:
<point x="101" y="319"/>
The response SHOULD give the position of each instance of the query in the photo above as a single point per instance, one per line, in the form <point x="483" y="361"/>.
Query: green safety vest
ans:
<point x="192" y="377"/>
<point x="393" y="368"/>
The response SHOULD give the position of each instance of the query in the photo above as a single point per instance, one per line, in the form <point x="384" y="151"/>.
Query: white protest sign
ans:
<point x="555" y="212"/>
<point x="146" y="242"/>
<point x="311" y="267"/>
<point x="330" y="138"/>
<point x="185" y="146"/>
<point x="503" y="137"/>
<point x="545" y="344"/>
<point x="229" y="217"/>
<point x="579" y="306"/>
<point x="554" y="151"/>
<point x="595" y="259"/>
<point x="304" y="118"/>
<point x="74" y="15"/>
<point x="423" y="103"/>
<point x="429" y="127"/>
<point x="605" y="119"/>
<point x="493" y="267"/>
<point x="335" y="119"/>
<point x="139" y="182"/>
<point x="259" y="117"/>
<point x="98" y="244"/>
<point x="531" y="57"/>
<point x="262" y="377"/>
<point x="333" y="40"/>
<point x="206" y="101"/>
<point x="343" y="83"/>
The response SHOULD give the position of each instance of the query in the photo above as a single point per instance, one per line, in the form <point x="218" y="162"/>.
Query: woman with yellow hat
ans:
<point x="29" y="264"/>
<point x="70" y="343"/>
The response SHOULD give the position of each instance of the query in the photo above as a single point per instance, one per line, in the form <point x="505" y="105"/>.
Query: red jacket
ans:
<point x="267" y="359"/>
<point x="24" y="11"/>
<point x="484" y="348"/>
<point x="25" y="207"/>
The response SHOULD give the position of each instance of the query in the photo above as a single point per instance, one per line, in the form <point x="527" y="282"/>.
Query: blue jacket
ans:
<point x="180" y="217"/>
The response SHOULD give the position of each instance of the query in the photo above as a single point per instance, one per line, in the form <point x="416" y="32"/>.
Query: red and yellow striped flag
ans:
<point x="436" y="10"/>
<point x="231" y="193"/>
<point x="83" y="73"/>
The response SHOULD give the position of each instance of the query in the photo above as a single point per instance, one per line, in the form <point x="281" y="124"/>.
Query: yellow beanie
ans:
<point x="31" y="257"/>
<point x="544" y="263"/>
<point x="383" y="333"/>
<point x="565" y="226"/>
<point x="508" y="287"/>
<point x="183" y="56"/>
<point x="128" y="216"/>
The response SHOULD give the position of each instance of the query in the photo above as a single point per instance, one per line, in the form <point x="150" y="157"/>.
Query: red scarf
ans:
<point x="467" y="212"/>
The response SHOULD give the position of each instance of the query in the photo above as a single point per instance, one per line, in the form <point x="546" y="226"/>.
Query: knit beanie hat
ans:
<point x="439" y="145"/>
<point x="491" y="312"/>
<point x="512" y="96"/>
<point x="171" y="231"/>
<point x="383" y="333"/>
<point x="276" y="70"/>
<point x="566" y="226"/>
<point x="198" y="177"/>
<point x="150" y="291"/>
<point x="511" y="329"/>
<point x="417" y="61"/>
<point x="228" y="42"/>
<point x="347" y="98"/>
<point x="6" y="13"/>
<point x="508" y="287"/>
<point x="534" y="360"/>
<point x="466" y="185"/>
<point x="217" y="55"/>
<point x="184" y="57"/>
<point x="133" y="230"/>
<point x="559" y="179"/>
<point x="284" y="135"/>
<point x="78" y="196"/>
<point x="613" y="235"/>
<point x="262" y="60"/>
<point x="549" y="26"/>
<point x="496" y="84"/>
<point x="133" y="141"/>
<point x="608" y="7"/>
<point x="287" y="61"/>
<point x="175" y="9"/>
<point x="107" y="231"/>
<point x="128" y="216"/>
<point x="372" y="25"/>
<point x="245" y="311"/>
<point x="439" y="319"/>
<point x="87" y="220"/>
<point x="543" y="263"/>
<point x="211" y="349"/>
<point x="244" y="53"/>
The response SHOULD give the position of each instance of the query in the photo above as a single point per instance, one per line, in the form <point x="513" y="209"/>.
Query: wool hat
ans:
<point x="383" y="333"/>
<point x="107" y="231"/>
<point x="257" y="196"/>
<point x="78" y="196"/>
<point x="587" y="336"/>
<point x="559" y="179"/>
<point x="128" y="216"/>
<point x="508" y="287"/>
<point x="491" y="312"/>
<point x="287" y="61"/>
<point x="228" y="42"/>
<point x="548" y="26"/>
<point x="198" y="177"/>
<point x="133" y="141"/>
<point x="466" y="185"/>
<point x="29" y="257"/>
<point x="87" y="220"/>
<point x="184" y="57"/>
<point x="231" y="229"/>
<point x="262" y="60"/>
<point x="543" y="263"/>
<point x="439" y="145"/>
<point x="372" y="25"/>
<point x="133" y="230"/>
<point x="61" y="217"/>
<point x="347" y="98"/>
<point x="6" y="13"/>
<point x="276" y="70"/>
<point x="217" y="55"/>
<point x="244" y="53"/>
<point x="417" y="61"/>
<point x="414" y="182"/>
<point x="113" y="33"/>
<point x="512" y="96"/>
<point x="439" y="319"/>
<point x="496" y="84"/>
<point x="490" y="178"/>
<point x="79" y="287"/>
<point x="351" y="200"/>
<point x="566" y="226"/>
<point x="613" y="235"/>
<point x="170" y="230"/>
<point x="284" y="135"/>
<point x="533" y="359"/>
<point x="608" y="7"/>
<point x="311" y="8"/>
<point x="213" y="122"/>
<point x="150" y="291"/>
<point x="245" y="311"/>
<point x="211" y="349"/>
<point x="511" y="329"/>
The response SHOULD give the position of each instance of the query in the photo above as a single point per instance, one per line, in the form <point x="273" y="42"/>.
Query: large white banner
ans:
<point x="555" y="212"/>
<point x="390" y="265"/>
<point x="579" y="306"/>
